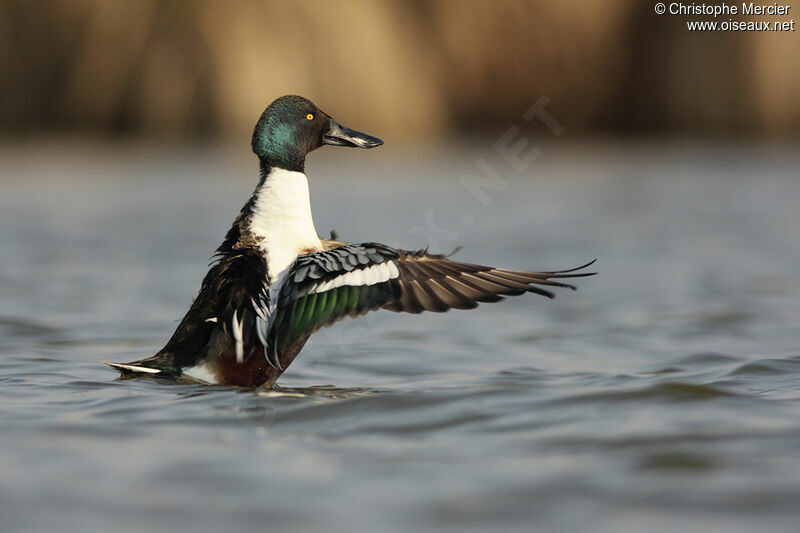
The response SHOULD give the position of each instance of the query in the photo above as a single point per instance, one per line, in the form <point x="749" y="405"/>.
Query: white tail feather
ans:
<point x="133" y="368"/>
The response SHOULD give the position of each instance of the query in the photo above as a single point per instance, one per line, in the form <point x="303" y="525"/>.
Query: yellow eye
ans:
<point x="310" y="116"/>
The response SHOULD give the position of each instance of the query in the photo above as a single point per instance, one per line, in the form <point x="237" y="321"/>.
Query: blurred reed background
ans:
<point x="404" y="68"/>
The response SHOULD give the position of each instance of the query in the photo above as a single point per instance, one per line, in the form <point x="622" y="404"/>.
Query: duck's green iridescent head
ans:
<point x="293" y="126"/>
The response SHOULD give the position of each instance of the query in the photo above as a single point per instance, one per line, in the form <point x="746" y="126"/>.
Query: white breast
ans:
<point x="282" y="219"/>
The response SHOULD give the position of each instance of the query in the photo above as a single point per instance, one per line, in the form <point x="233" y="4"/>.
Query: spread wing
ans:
<point x="324" y="287"/>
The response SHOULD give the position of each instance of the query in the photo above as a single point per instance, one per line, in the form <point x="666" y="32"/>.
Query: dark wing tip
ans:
<point x="567" y="273"/>
<point x="548" y="294"/>
<point x="548" y="278"/>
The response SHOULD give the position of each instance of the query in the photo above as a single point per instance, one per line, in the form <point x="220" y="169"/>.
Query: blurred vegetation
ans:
<point x="180" y="68"/>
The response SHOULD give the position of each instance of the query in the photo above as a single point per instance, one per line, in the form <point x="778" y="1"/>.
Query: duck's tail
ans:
<point x="159" y="365"/>
<point x="132" y="369"/>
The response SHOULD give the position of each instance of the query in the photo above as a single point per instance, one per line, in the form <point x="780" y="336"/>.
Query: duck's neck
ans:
<point x="281" y="219"/>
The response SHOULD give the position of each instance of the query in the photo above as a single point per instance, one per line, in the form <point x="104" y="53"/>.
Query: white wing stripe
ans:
<point x="367" y="276"/>
<point x="324" y="286"/>
<point x="370" y="276"/>
<point x="354" y="278"/>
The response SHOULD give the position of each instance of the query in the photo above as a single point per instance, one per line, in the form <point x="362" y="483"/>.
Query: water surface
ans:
<point x="663" y="395"/>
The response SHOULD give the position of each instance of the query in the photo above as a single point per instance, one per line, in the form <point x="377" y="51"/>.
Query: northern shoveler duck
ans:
<point x="275" y="282"/>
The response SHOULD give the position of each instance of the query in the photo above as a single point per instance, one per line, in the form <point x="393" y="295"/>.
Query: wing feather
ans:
<point x="351" y="279"/>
